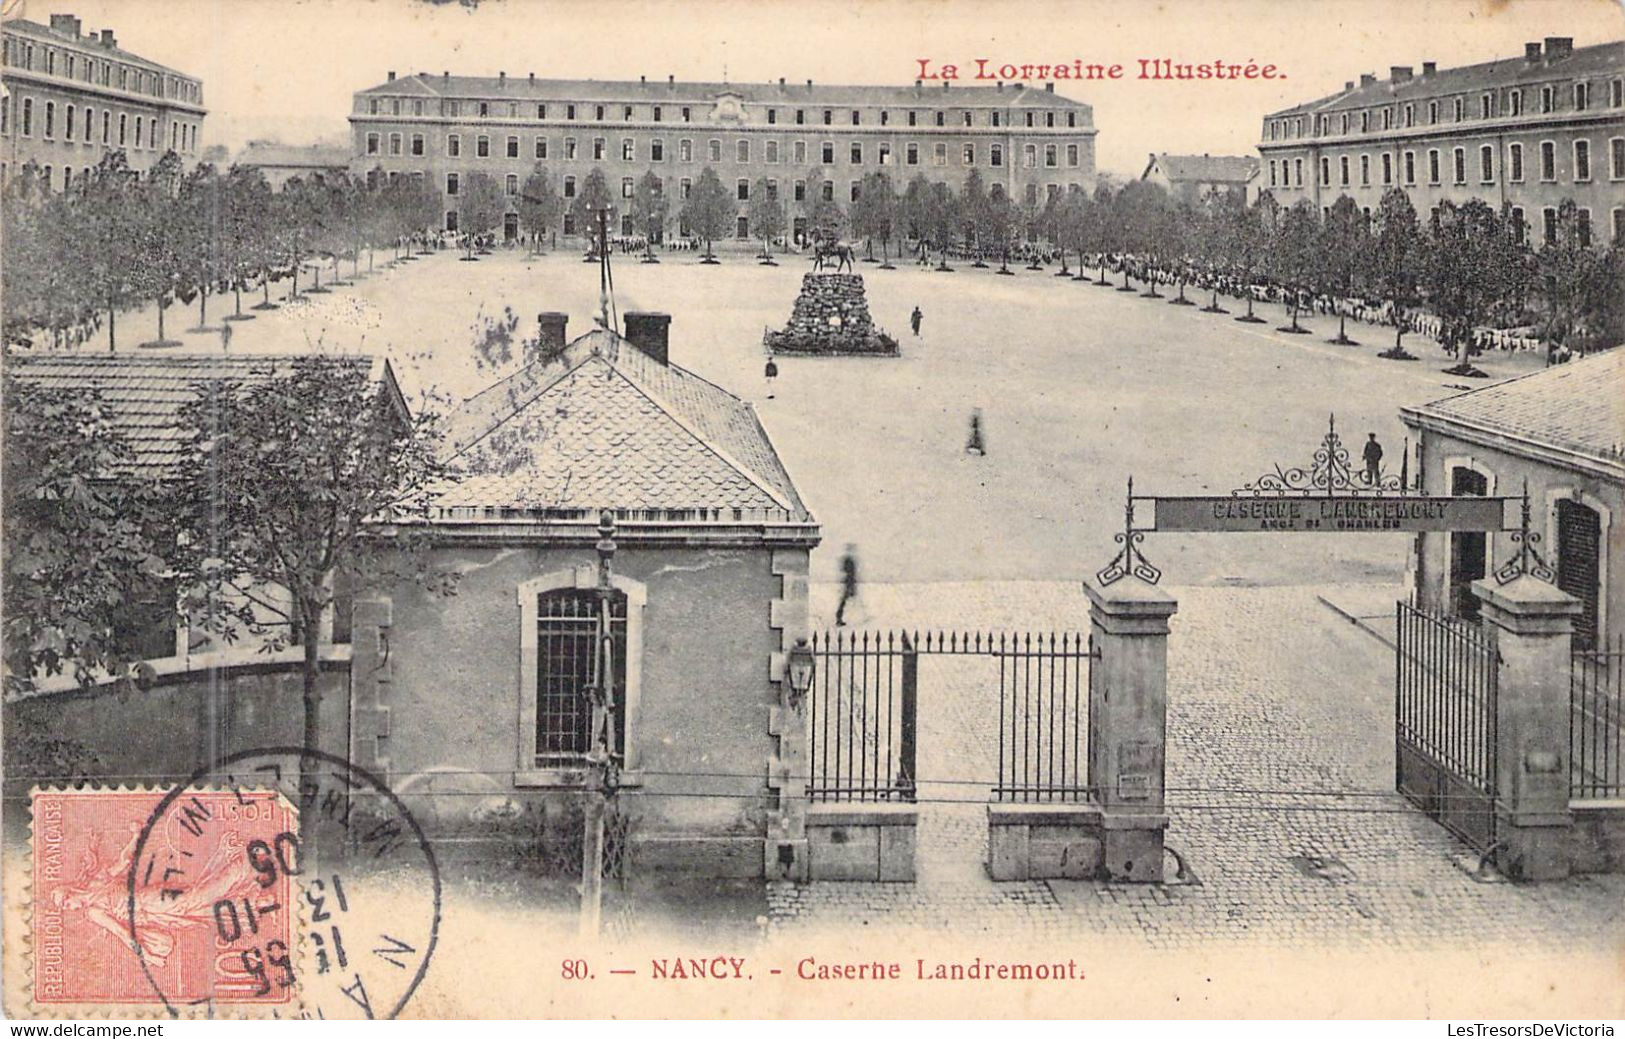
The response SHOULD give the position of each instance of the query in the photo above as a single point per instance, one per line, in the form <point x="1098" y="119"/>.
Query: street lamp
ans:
<point x="799" y="669"/>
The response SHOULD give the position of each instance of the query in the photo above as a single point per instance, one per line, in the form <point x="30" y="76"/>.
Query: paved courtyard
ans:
<point x="1280" y="785"/>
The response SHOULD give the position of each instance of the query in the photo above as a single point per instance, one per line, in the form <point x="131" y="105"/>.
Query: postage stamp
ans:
<point x="203" y="910"/>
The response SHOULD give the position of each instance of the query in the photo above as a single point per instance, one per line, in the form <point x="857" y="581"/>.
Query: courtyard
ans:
<point x="1080" y="388"/>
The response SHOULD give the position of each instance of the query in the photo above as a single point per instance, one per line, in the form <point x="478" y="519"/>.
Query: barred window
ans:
<point x="567" y="622"/>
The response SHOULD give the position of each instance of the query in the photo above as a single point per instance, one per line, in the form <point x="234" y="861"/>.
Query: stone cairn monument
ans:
<point x="831" y="316"/>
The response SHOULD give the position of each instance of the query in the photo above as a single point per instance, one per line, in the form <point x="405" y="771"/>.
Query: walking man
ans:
<point x="977" y="444"/>
<point x="771" y="373"/>
<point x="914" y="321"/>
<point x="849" y="583"/>
<point x="1373" y="460"/>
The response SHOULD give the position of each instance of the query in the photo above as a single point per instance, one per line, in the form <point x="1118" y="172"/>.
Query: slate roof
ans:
<point x="145" y="392"/>
<point x="298" y="156"/>
<point x="1236" y="169"/>
<point x="605" y="426"/>
<point x="90" y="43"/>
<point x="522" y="88"/>
<point x="1598" y="59"/>
<point x="1579" y="406"/>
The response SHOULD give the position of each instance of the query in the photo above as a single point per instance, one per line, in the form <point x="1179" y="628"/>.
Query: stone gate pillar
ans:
<point x="1534" y="622"/>
<point x="1128" y="729"/>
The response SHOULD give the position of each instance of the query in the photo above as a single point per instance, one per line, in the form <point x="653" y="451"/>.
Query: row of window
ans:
<point x="685" y="113"/>
<point x="1490" y="105"/>
<point x="72" y="65"/>
<point x="742" y="187"/>
<point x="1548" y="222"/>
<point x="1052" y="155"/>
<point x="1284" y="175"/>
<point x="80" y="124"/>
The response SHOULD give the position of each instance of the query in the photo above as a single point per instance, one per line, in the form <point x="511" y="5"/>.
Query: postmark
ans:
<point x="85" y="845"/>
<point x="363" y="879"/>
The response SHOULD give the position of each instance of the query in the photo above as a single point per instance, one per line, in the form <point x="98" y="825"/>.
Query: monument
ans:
<point x="831" y="316"/>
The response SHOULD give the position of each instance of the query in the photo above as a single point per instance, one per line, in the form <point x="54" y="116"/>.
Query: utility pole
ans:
<point x="606" y="277"/>
<point x="602" y="758"/>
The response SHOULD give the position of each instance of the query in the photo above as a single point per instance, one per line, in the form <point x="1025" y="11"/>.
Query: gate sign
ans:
<point x="1328" y="514"/>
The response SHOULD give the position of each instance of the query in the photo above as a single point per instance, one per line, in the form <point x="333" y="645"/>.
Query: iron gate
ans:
<point x="1445" y="721"/>
<point x="863" y="712"/>
<point x="1597" y="721"/>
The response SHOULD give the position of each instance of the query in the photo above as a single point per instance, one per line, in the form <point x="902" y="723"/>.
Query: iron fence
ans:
<point x="861" y="717"/>
<point x="1597" y="721"/>
<point x="1446" y="683"/>
<point x="1043" y="716"/>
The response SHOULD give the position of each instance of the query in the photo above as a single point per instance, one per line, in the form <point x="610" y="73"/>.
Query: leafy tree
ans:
<point x="539" y="205"/>
<point x="102" y="231"/>
<point x="203" y="208"/>
<point x="480" y="204"/>
<point x="942" y="214"/>
<point x="1566" y="266"/>
<point x="708" y="210"/>
<point x="297" y="219"/>
<point x="649" y="211"/>
<point x="167" y="234"/>
<point x="1293" y="256"/>
<point x="293" y="486"/>
<point x="1102" y="226"/>
<point x="876" y="212"/>
<point x="1396" y="261"/>
<point x="973" y="202"/>
<point x="1464" y="275"/>
<point x="1343" y="258"/>
<point x="82" y="536"/>
<point x="914" y="212"/>
<point x="766" y="216"/>
<point x="1211" y="242"/>
<point x="593" y="198"/>
<point x="245" y="246"/>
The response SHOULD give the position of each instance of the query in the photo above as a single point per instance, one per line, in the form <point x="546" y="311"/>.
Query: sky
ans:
<point x="287" y="69"/>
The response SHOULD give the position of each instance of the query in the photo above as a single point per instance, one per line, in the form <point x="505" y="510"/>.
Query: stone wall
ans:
<point x="831" y="316"/>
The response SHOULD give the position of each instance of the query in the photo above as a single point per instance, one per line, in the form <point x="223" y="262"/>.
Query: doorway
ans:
<point x="1469" y="549"/>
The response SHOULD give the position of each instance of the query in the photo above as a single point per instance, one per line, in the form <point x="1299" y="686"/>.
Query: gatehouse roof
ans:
<point x="607" y="426"/>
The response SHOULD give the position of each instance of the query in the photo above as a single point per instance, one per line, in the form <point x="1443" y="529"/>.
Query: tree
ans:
<point x="1293" y="257"/>
<point x="1212" y="242"/>
<point x="913" y="212"/>
<point x="999" y="225"/>
<point x="245" y="246"/>
<point x="1565" y="267"/>
<point x="295" y="486"/>
<point x="202" y="207"/>
<point x="296" y="218"/>
<point x="166" y="235"/>
<point x="766" y="216"/>
<point x="1103" y="233"/>
<point x="649" y="210"/>
<point x="875" y="212"/>
<point x="101" y="229"/>
<point x="1602" y="305"/>
<point x="1396" y="262"/>
<point x="480" y="205"/>
<point x="1342" y="258"/>
<point x="82" y="537"/>
<point x="973" y="202"/>
<point x="708" y="210"/>
<point x="539" y="205"/>
<point x="1464" y="275"/>
<point x="942" y="220"/>
<point x="592" y="199"/>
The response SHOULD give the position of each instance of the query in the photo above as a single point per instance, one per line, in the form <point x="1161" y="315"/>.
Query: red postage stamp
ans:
<point x="210" y="875"/>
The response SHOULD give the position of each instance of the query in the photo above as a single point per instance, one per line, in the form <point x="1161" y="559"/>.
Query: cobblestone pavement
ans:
<point x="1280" y="777"/>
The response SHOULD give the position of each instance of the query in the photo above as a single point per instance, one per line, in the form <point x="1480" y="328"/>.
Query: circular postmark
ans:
<point x="283" y="882"/>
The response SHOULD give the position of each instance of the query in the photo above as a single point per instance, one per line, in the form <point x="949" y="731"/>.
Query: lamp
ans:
<point x="799" y="670"/>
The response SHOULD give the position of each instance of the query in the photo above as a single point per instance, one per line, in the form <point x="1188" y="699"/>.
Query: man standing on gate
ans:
<point x="1373" y="460"/>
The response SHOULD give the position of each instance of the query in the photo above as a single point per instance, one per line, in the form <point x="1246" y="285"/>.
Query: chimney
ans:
<point x="649" y="331"/>
<point x="392" y="75"/>
<point x="445" y="77"/>
<point x="1050" y="87"/>
<point x="502" y="80"/>
<point x="1429" y="68"/>
<point x="533" y="79"/>
<point x="1367" y="78"/>
<point x="1559" y="47"/>
<point x="671" y="81"/>
<point x="1348" y="84"/>
<point x="809" y="84"/>
<point x="65" y="23"/>
<point x="781" y="82"/>
<point x="643" y="81"/>
<point x="550" y="332"/>
<point x="108" y="39"/>
<point x="1399" y="73"/>
<point x="1531" y="52"/>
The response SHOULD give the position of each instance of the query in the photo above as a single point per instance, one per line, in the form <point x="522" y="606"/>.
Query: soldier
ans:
<point x="771" y="372"/>
<point x="1373" y="460"/>
<point x="914" y="321"/>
